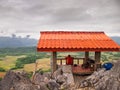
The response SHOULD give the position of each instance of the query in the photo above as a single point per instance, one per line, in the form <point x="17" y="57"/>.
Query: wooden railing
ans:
<point x="75" y="60"/>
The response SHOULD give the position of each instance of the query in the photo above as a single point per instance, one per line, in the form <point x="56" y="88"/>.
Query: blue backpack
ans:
<point x="107" y="66"/>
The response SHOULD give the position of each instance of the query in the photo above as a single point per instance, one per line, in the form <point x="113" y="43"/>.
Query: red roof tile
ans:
<point x="76" y="41"/>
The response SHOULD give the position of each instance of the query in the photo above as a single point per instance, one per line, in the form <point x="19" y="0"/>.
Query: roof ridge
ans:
<point x="71" y="32"/>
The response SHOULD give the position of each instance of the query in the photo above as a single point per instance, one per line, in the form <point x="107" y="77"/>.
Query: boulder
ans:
<point x="23" y="86"/>
<point x="70" y="79"/>
<point x="61" y="79"/>
<point x="16" y="81"/>
<point x="42" y="86"/>
<point x="64" y="86"/>
<point x="66" y="69"/>
<point x="53" y="85"/>
<point x="48" y="75"/>
<point x="38" y="78"/>
<point x="104" y="79"/>
<point x="56" y="73"/>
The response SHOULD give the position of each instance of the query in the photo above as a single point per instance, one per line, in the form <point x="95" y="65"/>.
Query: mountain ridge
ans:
<point x="26" y="41"/>
<point x="17" y="42"/>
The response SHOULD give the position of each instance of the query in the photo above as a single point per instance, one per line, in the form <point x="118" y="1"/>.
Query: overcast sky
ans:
<point x="33" y="16"/>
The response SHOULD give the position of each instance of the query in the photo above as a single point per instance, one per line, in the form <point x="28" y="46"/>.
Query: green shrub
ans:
<point x="2" y="69"/>
<point x="40" y="71"/>
<point x="26" y="60"/>
<point x="0" y="78"/>
<point x="29" y="75"/>
<point x="49" y="70"/>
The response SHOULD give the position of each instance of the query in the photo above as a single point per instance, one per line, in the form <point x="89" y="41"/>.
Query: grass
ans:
<point x="43" y="64"/>
<point x="8" y="62"/>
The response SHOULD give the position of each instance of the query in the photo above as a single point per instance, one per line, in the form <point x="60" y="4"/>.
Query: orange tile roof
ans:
<point x="76" y="41"/>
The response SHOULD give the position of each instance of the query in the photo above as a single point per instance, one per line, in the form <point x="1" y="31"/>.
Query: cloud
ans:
<point x="32" y="16"/>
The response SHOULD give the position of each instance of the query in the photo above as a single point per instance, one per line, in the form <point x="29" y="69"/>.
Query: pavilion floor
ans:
<point x="81" y="71"/>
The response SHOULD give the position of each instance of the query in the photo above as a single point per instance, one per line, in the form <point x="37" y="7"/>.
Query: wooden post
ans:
<point x="54" y="62"/>
<point x="97" y="60"/>
<point x="86" y="57"/>
<point x="97" y="57"/>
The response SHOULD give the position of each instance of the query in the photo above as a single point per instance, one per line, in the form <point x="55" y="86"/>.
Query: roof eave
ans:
<point x="77" y="49"/>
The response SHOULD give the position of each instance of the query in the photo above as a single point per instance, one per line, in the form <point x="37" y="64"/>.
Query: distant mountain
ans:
<point x="17" y="42"/>
<point x="116" y="39"/>
<point x="25" y="42"/>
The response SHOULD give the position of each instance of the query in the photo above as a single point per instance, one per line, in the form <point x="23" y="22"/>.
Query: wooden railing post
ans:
<point x="77" y="61"/>
<point x="60" y="61"/>
<point x="74" y="60"/>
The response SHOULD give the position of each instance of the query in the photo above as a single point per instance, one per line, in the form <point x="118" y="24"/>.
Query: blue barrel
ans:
<point x="107" y="66"/>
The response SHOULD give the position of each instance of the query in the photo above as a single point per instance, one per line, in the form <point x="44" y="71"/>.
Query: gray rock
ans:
<point x="67" y="69"/>
<point x="104" y="80"/>
<point x="23" y="86"/>
<point x="61" y="79"/>
<point x="16" y="81"/>
<point x="48" y="75"/>
<point x="56" y="73"/>
<point x="53" y="85"/>
<point x="43" y="86"/>
<point x="38" y="78"/>
<point x="70" y="79"/>
<point x="64" y="86"/>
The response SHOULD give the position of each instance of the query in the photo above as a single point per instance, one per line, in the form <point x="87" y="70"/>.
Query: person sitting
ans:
<point x="91" y="61"/>
<point x="85" y="65"/>
<point x="69" y="60"/>
<point x="88" y="63"/>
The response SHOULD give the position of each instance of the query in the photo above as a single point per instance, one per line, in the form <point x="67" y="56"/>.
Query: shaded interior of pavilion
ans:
<point x="78" y="61"/>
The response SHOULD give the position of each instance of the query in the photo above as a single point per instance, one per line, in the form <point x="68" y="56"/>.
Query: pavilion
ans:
<point x="75" y="41"/>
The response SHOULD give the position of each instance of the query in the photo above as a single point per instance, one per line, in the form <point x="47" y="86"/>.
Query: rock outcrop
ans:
<point x="62" y="79"/>
<point x="104" y="79"/>
<point x="16" y="81"/>
<point x="46" y="81"/>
